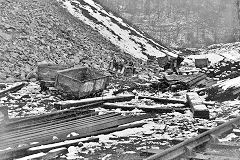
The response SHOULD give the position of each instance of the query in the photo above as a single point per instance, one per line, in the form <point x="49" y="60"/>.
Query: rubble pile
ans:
<point x="29" y="101"/>
<point x="223" y="70"/>
<point x="225" y="90"/>
<point x="162" y="131"/>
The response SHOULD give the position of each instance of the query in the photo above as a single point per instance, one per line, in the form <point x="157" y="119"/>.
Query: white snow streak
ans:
<point x="130" y="43"/>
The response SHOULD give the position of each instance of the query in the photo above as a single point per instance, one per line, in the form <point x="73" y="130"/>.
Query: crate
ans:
<point x="81" y="81"/>
<point x="201" y="63"/>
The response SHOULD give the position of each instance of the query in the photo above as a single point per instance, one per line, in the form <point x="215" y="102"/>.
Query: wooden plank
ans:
<point x="198" y="108"/>
<point x="62" y="119"/>
<point x="24" y="150"/>
<point x="74" y="103"/>
<point x="66" y="125"/>
<point x="13" y="88"/>
<point x="68" y="143"/>
<point x="145" y="108"/>
<point x="193" y="81"/>
<point x="51" y="116"/>
<point x="86" y="131"/>
<point x="164" y="100"/>
<point x="60" y="132"/>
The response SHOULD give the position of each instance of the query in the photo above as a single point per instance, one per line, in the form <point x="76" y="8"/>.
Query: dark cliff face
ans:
<point x="182" y="23"/>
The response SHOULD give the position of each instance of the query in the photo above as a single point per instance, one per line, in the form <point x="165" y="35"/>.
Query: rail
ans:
<point x="186" y="147"/>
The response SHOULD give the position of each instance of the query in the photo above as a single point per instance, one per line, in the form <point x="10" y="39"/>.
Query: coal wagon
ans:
<point x="81" y="81"/>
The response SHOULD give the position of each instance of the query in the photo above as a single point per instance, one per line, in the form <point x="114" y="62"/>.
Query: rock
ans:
<point x="33" y="80"/>
<point x="23" y="76"/>
<point x="3" y="76"/>
<point x="5" y="36"/>
<point x="11" y="80"/>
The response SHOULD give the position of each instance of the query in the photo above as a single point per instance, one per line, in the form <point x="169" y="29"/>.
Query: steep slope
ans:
<point x="114" y="29"/>
<point x="33" y="31"/>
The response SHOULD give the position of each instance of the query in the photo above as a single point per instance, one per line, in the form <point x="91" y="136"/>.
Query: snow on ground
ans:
<point x="212" y="57"/>
<point x="232" y="83"/>
<point x="114" y="29"/>
<point x="216" y="53"/>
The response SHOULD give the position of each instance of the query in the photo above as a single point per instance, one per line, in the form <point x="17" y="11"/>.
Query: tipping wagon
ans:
<point x="81" y="81"/>
<point x="201" y="62"/>
<point x="47" y="73"/>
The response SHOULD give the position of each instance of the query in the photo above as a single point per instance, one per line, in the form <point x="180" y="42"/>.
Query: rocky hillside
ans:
<point x="182" y="23"/>
<point x="34" y="31"/>
<point x="43" y="30"/>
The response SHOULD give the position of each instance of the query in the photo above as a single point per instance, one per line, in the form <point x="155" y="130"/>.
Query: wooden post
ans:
<point x="197" y="105"/>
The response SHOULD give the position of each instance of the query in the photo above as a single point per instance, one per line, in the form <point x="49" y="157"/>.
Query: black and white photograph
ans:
<point x="119" y="79"/>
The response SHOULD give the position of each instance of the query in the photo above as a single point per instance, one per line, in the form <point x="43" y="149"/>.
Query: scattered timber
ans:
<point x="12" y="89"/>
<point x="68" y="143"/>
<point x="146" y="108"/>
<point x="74" y="103"/>
<point x="50" y="117"/>
<point x="43" y="134"/>
<point x="164" y="100"/>
<point x="186" y="81"/>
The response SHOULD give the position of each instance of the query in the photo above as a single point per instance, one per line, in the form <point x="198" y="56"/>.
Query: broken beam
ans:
<point x="74" y="103"/>
<point x="198" y="108"/>
<point x="13" y="88"/>
<point x="146" y="109"/>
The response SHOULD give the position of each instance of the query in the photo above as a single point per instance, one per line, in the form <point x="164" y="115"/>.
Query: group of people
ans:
<point x="119" y="65"/>
<point x="172" y="64"/>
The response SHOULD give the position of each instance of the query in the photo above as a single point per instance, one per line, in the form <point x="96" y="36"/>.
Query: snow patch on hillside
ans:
<point x="113" y="28"/>
<point x="229" y="51"/>
<point x="216" y="53"/>
<point x="232" y="83"/>
<point x="213" y="58"/>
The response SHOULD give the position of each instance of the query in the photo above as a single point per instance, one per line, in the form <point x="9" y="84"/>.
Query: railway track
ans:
<point x="205" y="146"/>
